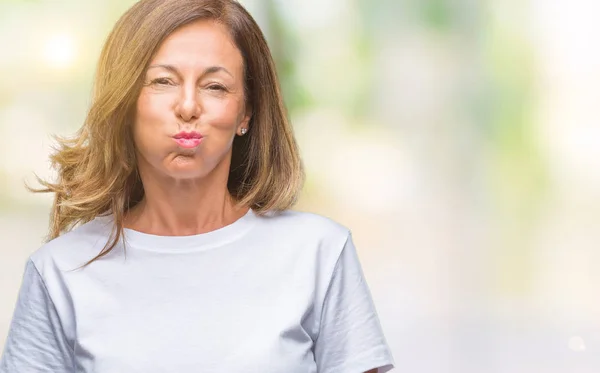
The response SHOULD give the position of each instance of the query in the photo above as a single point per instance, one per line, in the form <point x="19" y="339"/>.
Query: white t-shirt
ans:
<point x="277" y="294"/>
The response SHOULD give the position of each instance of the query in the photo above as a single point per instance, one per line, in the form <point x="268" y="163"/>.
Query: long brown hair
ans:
<point x="97" y="169"/>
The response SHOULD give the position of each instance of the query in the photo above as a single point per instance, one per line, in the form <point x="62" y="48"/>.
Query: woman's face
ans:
<point x="191" y="105"/>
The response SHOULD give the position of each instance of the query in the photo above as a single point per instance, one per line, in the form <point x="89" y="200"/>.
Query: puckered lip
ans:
<point x="188" y="135"/>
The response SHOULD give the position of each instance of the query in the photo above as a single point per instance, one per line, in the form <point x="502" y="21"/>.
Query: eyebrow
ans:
<point x="207" y="71"/>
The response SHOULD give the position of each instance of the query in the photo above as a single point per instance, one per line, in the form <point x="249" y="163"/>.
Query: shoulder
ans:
<point x="74" y="248"/>
<point x="305" y="224"/>
<point x="303" y="232"/>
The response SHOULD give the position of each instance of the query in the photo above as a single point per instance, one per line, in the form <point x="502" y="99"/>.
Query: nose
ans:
<point x="188" y="108"/>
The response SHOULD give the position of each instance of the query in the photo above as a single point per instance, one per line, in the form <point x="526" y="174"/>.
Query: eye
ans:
<point x="215" y="87"/>
<point x="162" y="81"/>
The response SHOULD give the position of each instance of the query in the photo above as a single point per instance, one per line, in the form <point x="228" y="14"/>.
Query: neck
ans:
<point x="182" y="208"/>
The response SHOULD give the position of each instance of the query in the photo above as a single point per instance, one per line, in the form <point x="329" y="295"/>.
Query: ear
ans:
<point x="246" y="120"/>
<point x="244" y="123"/>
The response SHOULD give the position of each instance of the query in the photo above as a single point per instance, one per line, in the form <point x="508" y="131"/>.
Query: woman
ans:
<point x="172" y="247"/>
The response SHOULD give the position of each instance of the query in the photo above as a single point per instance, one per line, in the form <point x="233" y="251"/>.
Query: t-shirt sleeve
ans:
<point x="36" y="342"/>
<point x="350" y="338"/>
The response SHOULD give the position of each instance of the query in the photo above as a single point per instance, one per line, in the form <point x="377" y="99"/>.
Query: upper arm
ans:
<point x="35" y="342"/>
<point x="350" y="337"/>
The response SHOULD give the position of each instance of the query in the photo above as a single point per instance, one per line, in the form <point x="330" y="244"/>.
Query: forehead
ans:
<point x="200" y="44"/>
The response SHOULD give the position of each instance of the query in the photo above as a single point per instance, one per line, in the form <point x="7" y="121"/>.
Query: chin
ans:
<point x="184" y="173"/>
<point x="186" y="169"/>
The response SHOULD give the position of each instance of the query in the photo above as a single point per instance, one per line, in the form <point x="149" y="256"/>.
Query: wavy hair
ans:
<point x="97" y="168"/>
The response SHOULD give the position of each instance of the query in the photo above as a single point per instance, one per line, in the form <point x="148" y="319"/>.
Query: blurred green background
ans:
<point x="459" y="140"/>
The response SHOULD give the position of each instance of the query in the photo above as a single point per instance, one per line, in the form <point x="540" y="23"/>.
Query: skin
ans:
<point x="195" y="82"/>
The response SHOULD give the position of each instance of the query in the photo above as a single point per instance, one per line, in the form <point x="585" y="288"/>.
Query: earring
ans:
<point x="243" y="130"/>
